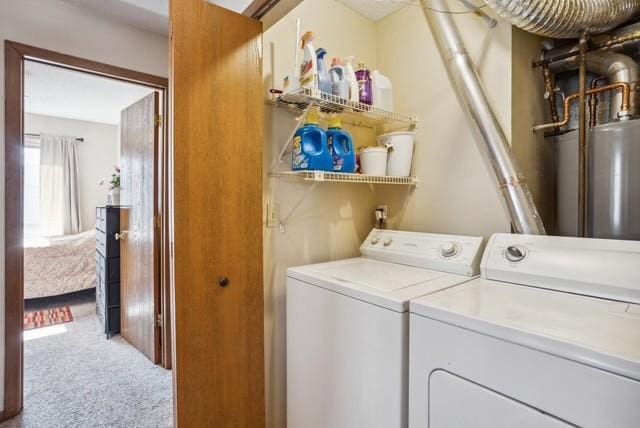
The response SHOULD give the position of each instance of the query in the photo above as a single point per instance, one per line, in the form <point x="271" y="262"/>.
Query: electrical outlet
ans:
<point x="272" y="215"/>
<point x="384" y="209"/>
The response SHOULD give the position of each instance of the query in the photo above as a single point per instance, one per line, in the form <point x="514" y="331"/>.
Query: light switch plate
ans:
<point x="272" y="215"/>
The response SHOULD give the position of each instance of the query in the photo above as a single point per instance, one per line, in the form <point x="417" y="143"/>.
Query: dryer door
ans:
<point x="457" y="403"/>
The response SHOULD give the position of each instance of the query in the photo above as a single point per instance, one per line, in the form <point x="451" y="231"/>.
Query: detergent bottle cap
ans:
<point x="349" y="59"/>
<point x="313" y="118"/>
<point x="335" y="121"/>
<point x="335" y="62"/>
<point x="361" y="66"/>
<point x="321" y="52"/>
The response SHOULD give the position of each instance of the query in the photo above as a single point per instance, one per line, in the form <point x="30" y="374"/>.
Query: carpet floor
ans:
<point x="75" y="377"/>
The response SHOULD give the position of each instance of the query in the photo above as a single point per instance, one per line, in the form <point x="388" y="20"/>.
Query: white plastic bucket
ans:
<point x="400" y="145"/>
<point x="373" y="161"/>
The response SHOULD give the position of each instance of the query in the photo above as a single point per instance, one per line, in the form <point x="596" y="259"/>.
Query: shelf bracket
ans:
<point x="283" y="222"/>
<point x="299" y="123"/>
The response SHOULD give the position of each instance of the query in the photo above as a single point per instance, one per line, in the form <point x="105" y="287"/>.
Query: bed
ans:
<point x="60" y="265"/>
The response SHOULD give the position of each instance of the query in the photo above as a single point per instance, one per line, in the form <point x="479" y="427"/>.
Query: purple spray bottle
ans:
<point x="363" y="76"/>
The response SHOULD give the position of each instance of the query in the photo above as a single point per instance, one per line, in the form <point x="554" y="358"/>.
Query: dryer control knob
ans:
<point x="449" y="249"/>
<point x="387" y="242"/>
<point x="374" y="241"/>
<point x="515" y="253"/>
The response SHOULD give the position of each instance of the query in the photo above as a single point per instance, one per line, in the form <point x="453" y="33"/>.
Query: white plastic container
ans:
<point x="400" y="146"/>
<point x="382" y="91"/>
<point x="373" y="161"/>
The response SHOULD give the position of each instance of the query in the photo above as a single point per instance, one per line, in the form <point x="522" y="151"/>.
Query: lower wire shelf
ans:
<point x="341" y="177"/>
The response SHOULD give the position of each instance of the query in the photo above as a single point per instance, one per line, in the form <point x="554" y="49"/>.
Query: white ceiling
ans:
<point x="376" y="10"/>
<point x="58" y="92"/>
<point x="150" y="15"/>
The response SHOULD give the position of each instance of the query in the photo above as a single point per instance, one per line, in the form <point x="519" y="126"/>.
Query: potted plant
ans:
<point x="113" y="197"/>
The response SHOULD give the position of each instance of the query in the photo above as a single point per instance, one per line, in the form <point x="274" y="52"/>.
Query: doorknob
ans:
<point x="122" y="235"/>
<point x="223" y="281"/>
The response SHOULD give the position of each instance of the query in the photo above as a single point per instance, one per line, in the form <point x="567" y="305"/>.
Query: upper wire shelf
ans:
<point x="341" y="177"/>
<point x="359" y="114"/>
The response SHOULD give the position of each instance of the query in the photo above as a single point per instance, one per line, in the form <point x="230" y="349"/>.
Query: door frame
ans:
<point x="15" y="56"/>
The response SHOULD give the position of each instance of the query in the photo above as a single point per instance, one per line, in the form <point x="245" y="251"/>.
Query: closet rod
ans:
<point x="38" y="135"/>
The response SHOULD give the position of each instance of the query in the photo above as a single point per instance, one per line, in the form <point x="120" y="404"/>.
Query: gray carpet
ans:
<point x="80" y="379"/>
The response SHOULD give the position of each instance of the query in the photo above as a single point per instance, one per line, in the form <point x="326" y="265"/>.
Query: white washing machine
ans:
<point x="348" y="327"/>
<point x="549" y="336"/>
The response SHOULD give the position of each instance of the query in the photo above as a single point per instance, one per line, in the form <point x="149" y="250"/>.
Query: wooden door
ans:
<point x="217" y="121"/>
<point x="140" y="294"/>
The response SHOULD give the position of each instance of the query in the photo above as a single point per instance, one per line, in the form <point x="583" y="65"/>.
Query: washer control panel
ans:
<point x="446" y="253"/>
<point x="603" y="268"/>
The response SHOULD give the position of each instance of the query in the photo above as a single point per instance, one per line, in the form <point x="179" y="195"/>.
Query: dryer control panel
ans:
<point x="604" y="268"/>
<point x="445" y="253"/>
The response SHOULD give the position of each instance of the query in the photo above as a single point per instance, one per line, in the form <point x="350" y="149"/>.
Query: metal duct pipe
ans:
<point x="565" y="19"/>
<point x="616" y="67"/>
<point x="465" y="78"/>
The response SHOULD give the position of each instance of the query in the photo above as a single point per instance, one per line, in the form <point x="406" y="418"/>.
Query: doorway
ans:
<point x="20" y="154"/>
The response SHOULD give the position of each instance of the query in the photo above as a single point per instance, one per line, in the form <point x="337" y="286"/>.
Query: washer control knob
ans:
<point x="374" y="241"/>
<point x="515" y="253"/>
<point x="387" y="242"/>
<point x="449" y="249"/>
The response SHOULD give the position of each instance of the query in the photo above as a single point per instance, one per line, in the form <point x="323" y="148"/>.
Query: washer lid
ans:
<point x="384" y="284"/>
<point x="594" y="331"/>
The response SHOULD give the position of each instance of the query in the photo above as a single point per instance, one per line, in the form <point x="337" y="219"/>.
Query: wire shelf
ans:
<point x="341" y="177"/>
<point x="355" y="113"/>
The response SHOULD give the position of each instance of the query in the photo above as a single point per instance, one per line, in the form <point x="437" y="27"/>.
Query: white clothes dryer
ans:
<point x="549" y="336"/>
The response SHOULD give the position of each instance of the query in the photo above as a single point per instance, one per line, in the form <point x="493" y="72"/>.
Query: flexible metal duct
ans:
<point x="464" y="76"/>
<point x="565" y="19"/>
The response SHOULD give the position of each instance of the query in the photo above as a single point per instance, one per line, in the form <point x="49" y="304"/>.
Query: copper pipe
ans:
<point x="582" y="138"/>
<point x="550" y="89"/>
<point x="593" y="101"/>
<point x="626" y="99"/>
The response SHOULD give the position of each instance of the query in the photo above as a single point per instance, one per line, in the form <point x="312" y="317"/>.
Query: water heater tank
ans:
<point x="614" y="182"/>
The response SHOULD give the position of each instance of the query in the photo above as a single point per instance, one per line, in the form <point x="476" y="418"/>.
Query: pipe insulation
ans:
<point x="464" y="76"/>
<point x="565" y="19"/>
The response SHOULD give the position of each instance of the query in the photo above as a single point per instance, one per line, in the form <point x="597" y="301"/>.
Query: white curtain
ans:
<point x="59" y="186"/>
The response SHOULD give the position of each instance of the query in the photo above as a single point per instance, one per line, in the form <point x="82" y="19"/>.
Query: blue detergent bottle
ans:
<point x="310" y="149"/>
<point x="341" y="146"/>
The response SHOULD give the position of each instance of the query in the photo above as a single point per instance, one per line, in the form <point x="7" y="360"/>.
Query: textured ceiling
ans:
<point x="58" y="92"/>
<point x="375" y="10"/>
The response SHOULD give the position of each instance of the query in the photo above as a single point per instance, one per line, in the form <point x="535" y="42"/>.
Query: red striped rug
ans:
<point x="47" y="317"/>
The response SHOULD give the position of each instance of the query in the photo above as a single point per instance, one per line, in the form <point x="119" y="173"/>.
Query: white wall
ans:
<point x="97" y="155"/>
<point x="62" y="27"/>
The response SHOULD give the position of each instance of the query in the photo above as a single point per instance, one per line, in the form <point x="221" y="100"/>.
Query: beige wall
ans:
<point x="534" y="154"/>
<point x="63" y="27"/>
<point x="456" y="194"/>
<point x="97" y="155"/>
<point x="332" y="219"/>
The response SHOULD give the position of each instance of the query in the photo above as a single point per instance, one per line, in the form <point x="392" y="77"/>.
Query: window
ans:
<point x="31" y="189"/>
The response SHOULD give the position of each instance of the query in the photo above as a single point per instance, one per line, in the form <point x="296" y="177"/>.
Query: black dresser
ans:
<point x="108" y="268"/>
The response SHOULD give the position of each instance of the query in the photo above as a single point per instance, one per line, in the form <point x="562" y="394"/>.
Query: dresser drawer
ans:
<point x="112" y="272"/>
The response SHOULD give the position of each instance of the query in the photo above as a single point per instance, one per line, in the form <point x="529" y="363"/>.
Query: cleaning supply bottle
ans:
<point x="324" y="80"/>
<point x="364" y="84"/>
<point x="352" y="80"/>
<point x="341" y="146"/>
<point x="310" y="149"/>
<point x="339" y="85"/>
<point x="309" y="64"/>
<point x="382" y="91"/>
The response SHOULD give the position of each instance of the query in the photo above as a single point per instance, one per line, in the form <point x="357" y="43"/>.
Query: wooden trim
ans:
<point x="13" y="262"/>
<point x="258" y="8"/>
<point x="87" y="66"/>
<point x="15" y="55"/>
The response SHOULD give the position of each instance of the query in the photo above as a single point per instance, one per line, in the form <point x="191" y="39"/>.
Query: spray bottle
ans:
<point x="309" y="65"/>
